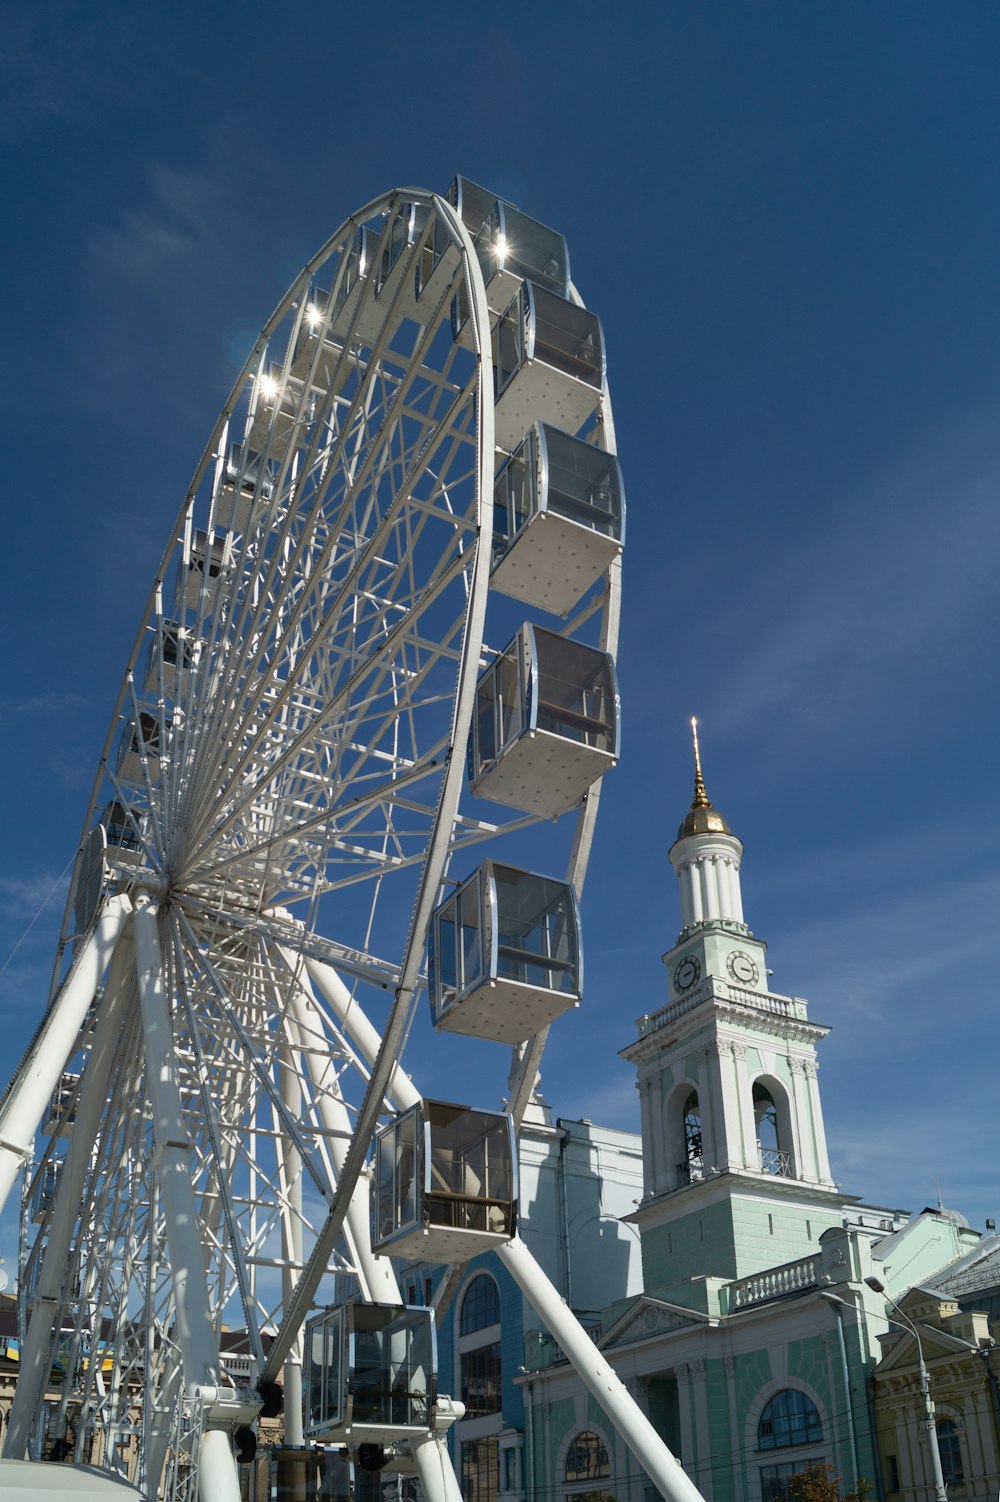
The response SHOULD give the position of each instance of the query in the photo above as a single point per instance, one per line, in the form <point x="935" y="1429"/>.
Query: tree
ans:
<point x="818" y="1483"/>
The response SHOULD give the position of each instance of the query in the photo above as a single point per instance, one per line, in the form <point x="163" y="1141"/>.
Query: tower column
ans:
<point x="811" y="1070"/>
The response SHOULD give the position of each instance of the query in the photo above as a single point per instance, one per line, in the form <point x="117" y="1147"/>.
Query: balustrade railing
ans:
<point x="775" y="1283"/>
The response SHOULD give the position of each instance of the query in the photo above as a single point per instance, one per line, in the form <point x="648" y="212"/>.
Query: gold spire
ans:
<point x="702" y="817"/>
<point x="701" y="798"/>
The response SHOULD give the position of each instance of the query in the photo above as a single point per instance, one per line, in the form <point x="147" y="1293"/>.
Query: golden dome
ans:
<point x="701" y="817"/>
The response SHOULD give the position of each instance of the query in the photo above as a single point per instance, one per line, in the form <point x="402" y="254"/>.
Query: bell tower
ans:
<point x="732" y="1122"/>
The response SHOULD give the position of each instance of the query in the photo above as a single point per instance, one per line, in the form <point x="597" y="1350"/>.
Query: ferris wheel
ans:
<point x="377" y="662"/>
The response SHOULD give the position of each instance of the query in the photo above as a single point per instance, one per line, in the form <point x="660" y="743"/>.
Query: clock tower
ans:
<point x="736" y="1172"/>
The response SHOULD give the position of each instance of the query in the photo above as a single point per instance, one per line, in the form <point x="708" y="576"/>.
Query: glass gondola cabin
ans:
<point x="209" y="558"/>
<point x="510" y="247"/>
<point x="371" y="1373"/>
<point x="246" y="483"/>
<point x="445" y="1183"/>
<point x="140" y="738"/>
<point x="173" y="652"/>
<point x="558" y="519"/>
<point x="504" y="957"/>
<point x="546" y="723"/>
<point x="548" y="359"/>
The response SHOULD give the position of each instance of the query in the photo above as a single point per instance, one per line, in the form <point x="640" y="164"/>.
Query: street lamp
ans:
<point x="905" y="1323"/>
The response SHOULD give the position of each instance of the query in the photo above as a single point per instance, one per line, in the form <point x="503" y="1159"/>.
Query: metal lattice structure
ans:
<point x="281" y="804"/>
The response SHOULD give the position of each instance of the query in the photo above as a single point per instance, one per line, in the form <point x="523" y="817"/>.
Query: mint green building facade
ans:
<point x="751" y="1345"/>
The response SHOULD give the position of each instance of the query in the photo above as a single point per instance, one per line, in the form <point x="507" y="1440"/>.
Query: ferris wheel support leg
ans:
<point x="291" y="1234"/>
<point x="196" y="1336"/>
<point x="218" y="1477"/>
<point x="599" y="1376"/>
<point x="438" y="1481"/>
<point x="377" y="1272"/>
<point x="362" y="1033"/>
<point x="46" y="1306"/>
<point x="38" y="1075"/>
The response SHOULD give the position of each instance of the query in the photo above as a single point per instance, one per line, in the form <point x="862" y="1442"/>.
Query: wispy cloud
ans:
<point x="39" y="704"/>
<point x="172" y="227"/>
<point x="891" y="583"/>
<point x="24" y="896"/>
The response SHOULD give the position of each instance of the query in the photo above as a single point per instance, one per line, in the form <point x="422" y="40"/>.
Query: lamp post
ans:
<point x="906" y="1323"/>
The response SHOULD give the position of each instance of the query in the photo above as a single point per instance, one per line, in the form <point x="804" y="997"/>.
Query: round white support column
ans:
<point x="54" y="1042"/>
<point x="599" y="1377"/>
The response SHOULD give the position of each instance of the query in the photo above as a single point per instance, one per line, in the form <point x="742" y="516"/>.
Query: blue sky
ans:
<point x="786" y="215"/>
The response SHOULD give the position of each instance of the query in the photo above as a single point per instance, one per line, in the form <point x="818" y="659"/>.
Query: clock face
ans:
<point x="687" y="973"/>
<point x="742" y="968"/>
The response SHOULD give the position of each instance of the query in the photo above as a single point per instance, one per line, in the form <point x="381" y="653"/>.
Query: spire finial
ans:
<point x="701" y="798"/>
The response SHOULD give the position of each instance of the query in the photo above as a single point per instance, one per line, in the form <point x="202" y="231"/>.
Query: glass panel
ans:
<point x="568" y="338"/>
<point x="508" y="343"/>
<point x="584" y="483"/>
<point x="470" y="1174"/>
<point x="790" y="1418"/>
<point x="444" y="987"/>
<point x="480" y="1379"/>
<point x="472" y="948"/>
<point x="486" y="740"/>
<point x="538" y="942"/>
<point x="587" y="1458"/>
<point x="774" y="1479"/>
<point x="406" y="1158"/>
<point x="575" y="697"/>
<point x="392" y="1366"/>
<point x="480" y="1306"/>
<point x="534" y="251"/>
<point x="510" y="698"/>
<point x="385" y="1167"/>
<point x="513" y="497"/>
<point x="480" y="1469"/>
<point x="474" y="203"/>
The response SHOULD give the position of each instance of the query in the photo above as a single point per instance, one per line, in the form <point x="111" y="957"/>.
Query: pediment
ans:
<point x="647" y="1318"/>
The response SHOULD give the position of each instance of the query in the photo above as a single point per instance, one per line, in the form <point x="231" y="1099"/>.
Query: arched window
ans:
<point x="481" y="1305"/>
<point x="587" y="1459"/>
<point x="950" y="1450"/>
<point x="790" y="1418"/>
<point x="694" y="1159"/>
<point x="773" y="1157"/>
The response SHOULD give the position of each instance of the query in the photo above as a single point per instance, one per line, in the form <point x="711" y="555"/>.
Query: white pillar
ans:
<point x="692" y="871"/>
<point x="598" y="1376"/>
<point x="35" y="1363"/>
<point x="710" y="895"/>
<point x="290" y="1161"/>
<point x="53" y="1044"/>
<point x="361" y="1032"/>
<point x="195" y="1333"/>
<point x="811" y="1070"/>
<point x="218" y="1477"/>
<point x="376" y="1274"/>
<point x="438" y="1481"/>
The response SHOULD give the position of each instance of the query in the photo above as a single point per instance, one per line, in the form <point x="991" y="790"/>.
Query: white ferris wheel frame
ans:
<point x="227" y="798"/>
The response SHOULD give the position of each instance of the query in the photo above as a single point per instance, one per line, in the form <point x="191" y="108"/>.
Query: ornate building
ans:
<point x="752" y="1342"/>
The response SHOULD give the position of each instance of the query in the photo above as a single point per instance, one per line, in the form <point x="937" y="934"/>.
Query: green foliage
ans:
<point x="818" y="1483"/>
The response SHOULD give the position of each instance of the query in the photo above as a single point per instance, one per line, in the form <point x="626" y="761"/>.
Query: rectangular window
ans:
<point x="480" y="1469"/>
<point x="481" y="1381"/>
<point x="774" y="1479"/>
<point x="892" y="1472"/>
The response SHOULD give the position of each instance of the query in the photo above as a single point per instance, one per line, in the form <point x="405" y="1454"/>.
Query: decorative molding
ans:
<point x="696" y="1371"/>
<point x="810" y="1067"/>
<point x="796" y="1066"/>
<point x="729" y="1363"/>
